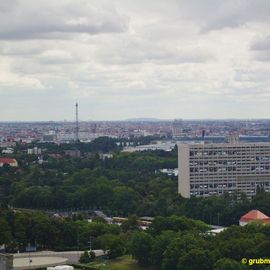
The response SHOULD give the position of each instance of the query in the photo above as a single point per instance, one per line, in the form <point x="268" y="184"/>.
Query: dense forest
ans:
<point x="170" y="243"/>
<point x="131" y="185"/>
<point x="126" y="184"/>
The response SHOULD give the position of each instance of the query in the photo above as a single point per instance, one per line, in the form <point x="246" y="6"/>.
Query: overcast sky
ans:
<point x="126" y="59"/>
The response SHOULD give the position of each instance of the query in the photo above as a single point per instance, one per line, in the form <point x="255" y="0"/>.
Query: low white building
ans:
<point x="34" y="151"/>
<point x="61" y="267"/>
<point x="8" y="151"/>
<point x="165" y="146"/>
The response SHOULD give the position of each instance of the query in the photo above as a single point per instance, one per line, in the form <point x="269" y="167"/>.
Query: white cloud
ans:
<point x="55" y="57"/>
<point x="123" y="59"/>
<point x="13" y="80"/>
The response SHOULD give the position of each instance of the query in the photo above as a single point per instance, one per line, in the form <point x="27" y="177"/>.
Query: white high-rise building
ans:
<point x="214" y="169"/>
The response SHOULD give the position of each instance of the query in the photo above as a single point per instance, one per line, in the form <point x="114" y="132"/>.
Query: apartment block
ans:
<point x="215" y="169"/>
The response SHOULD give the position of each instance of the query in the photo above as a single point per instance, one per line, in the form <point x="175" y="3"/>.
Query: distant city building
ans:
<point x="84" y="136"/>
<point x="49" y="138"/>
<point x="165" y="146"/>
<point x="210" y="130"/>
<point x="34" y="151"/>
<point x="8" y="151"/>
<point x="65" y="136"/>
<point x="9" y="161"/>
<point x="105" y="156"/>
<point x="7" y="144"/>
<point x="215" y="169"/>
<point x="233" y="138"/>
<point x="73" y="153"/>
<point x="177" y="128"/>
<point x="254" y="215"/>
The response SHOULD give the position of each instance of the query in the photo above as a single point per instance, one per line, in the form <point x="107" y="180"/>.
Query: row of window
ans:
<point x="230" y="185"/>
<point x="263" y="160"/>
<point x="219" y="192"/>
<point x="228" y="153"/>
<point x="212" y="169"/>
<point x="207" y="193"/>
<point x="211" y="186"/>
<point x="230" y="169"/>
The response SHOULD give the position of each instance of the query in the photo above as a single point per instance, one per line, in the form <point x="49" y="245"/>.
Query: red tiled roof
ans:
<point x="255" y="215"/>
<point x="7" y="160"/>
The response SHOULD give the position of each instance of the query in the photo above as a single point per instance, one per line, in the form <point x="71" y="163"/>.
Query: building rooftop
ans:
<point x="255" y="215"/>
<point x="6" y="160"/>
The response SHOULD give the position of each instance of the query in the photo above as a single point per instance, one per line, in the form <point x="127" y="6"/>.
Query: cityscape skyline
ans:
<point x="139" y="119"/>
<point x="121" y="59"/>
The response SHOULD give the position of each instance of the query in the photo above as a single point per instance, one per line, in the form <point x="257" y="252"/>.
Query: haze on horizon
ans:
<point x="125" y="59"/>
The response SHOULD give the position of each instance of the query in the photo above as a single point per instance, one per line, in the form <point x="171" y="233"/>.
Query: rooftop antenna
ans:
<point x="77" y="123"/>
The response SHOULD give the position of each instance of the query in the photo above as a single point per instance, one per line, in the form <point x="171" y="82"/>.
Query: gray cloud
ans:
<point x="7" y="6"/>
<point x="34" y="20"/>
<point x="219" y="14"/>
<point x="261" y="49"/>
<point x="263" y="44"/>
<point x="144" y="50"/>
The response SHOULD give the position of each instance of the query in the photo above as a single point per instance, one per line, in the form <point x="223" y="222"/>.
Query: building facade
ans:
<point x="34" y="151"/>
<point x="177" y="128"/>
<point x="215" y="169"/>
<point x="6" y="262"/>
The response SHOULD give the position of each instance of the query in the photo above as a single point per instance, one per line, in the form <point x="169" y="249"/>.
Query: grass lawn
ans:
<point x="122" y="263"/>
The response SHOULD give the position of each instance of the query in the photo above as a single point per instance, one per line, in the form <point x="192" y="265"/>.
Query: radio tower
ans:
<point x="77" y="124"/>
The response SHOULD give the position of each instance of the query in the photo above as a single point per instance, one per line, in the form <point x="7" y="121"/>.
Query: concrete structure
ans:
<point x="61" y="267"/>
<point x="6" y="262"/>
<point x="254" y="215"/>
<point x="214" y="169"/>
<point x="37" y="262"/>
<point x="47" y="258"/>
